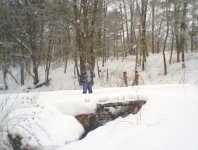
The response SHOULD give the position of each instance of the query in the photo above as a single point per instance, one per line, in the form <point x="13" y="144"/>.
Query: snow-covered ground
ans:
<point x="45" y="116"/>
<point x="167" y="121"/>
<point x="22" y="114"/>
<point x="153" y="74"/>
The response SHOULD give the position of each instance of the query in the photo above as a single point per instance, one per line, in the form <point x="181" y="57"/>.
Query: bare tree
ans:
<point x="183" y="30"/>
<point x="123" y="34"/>
<point x="127" y="27"/>
<point x="167" y="10"/>
<point x="142" y="10"/>
<point x="153" y="25"/>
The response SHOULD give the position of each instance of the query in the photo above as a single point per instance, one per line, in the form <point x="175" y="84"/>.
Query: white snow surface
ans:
<point x="153" y="74"/>
<point x="45" y="117"/>
<point x="168" y="121"/>
<point x="21" y="114"/>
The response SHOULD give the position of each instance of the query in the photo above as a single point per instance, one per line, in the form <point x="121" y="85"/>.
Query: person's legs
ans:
<point x="90" y="87"/>
<point x="85" y="87"/>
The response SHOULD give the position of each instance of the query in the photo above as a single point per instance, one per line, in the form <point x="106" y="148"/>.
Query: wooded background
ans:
<point x="37" y="33"/>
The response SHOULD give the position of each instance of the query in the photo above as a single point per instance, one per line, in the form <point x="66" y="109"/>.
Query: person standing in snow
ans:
<point x="86" y="78"/>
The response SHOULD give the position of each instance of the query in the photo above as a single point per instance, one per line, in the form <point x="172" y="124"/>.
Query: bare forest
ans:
<point x="38" y="33"/>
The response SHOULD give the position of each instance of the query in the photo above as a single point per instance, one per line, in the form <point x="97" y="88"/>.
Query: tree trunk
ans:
<point x="114" y="45"/>
<point x="191" y="37"/>
<point x="123" y="35"/>
<point x="98" y="69"/>
<point x="104" y="50"/>
<point x="193" y="26"/>
<point x="136" y="59"/>
<point x="35" y="71"/>
<point x="183" y="31"/>
<point x="132" y="27"/>
<point x="93" y="22"/>
<point x="34" y="50"/>
<point x="158" y="39"/>
<point x="5" y="77"/>
<point x="126" y="24"/>
<point x="172" y="44"/>
<point x="65" y="66"/>
<point x="77" y="70"/>
<point x="78" y="35"/>
<point x="153" y="27"/>
<point x="176" y="11"/>
<point x="104" y="34"/>
<point x="49" y="54"/>
<point x="136" y="79"/>
<point x="22" y="65"/>
<point x="125" y="78"/>
<point x="22" y="74"/>
<point x="164" y="48"/>
<point x="143" y="13"/>
<point x="164" y="56"/>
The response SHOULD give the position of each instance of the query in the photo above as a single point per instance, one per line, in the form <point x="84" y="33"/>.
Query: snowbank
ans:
<point x="167" y="121"/>
<point x="37" y="125"/>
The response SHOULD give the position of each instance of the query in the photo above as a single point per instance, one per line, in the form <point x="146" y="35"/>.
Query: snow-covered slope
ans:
<point x="153" y="74"/>
<point x="167" y="121"/>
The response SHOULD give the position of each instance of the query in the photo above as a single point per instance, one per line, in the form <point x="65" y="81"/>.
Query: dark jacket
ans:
<point x="83" y="77"/>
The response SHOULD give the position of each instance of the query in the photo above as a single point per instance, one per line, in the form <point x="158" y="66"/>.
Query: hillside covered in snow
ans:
<point x="44" y="117"/>
<point x="153" y="74"/>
